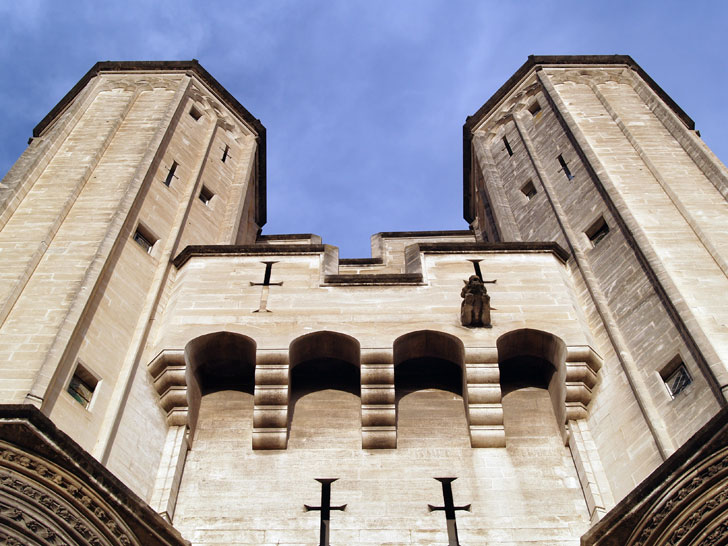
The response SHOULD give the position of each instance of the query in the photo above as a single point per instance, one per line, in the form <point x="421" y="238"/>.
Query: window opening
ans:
<point x="195" y="113"/>
<point x="206" y="195"/>
<point x="597" y="231"/>
<point x="529" y="190"/>
<point x="676" y="377"/>
<point x="535" y="108"/>
<point x="225" y="153"/>
<point x="565" y="168"/>
<point x="82" y="386"/>
<point x="508" y="146"/>
<point x="144" y="239"/>
<point x="170" y="174"/>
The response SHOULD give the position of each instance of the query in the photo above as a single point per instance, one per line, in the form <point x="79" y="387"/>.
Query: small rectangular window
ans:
<point x="144" y="238"/>
<point x="206" y="195"/>
<point x="508" y="146"/>
<point x="195" y="113"/>
<point x="170" y="174"/>
<point x="82" y="385"/>
<point x="597" y="231"/>
<point x="529" y="190"/>
<point x="535" y="108"/>
<point x="225" y="153"/>
<point x="676" y="376"/>
<point x="565" y="168"/>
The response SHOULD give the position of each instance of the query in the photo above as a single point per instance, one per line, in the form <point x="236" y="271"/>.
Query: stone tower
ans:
<point x="171" y="374"/>
<point x="589" y="152"/>
<point x="125" y="172"/>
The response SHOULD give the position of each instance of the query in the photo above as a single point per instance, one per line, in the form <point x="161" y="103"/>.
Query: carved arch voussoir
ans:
<point x="692" y="510"/>
<point x="42" y="504"/>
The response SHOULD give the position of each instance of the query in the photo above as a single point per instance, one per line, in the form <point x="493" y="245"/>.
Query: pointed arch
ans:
<point x="217" y="361"/>
<point x="534" y="358"/>
<point x="324" y="345"/>
<point x="429" y="381"/>
<point x="325" y="389"/>
<point x="430" y="344"/>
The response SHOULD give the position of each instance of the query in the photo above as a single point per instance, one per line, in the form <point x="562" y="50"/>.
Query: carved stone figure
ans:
<point x="475" y="309"/>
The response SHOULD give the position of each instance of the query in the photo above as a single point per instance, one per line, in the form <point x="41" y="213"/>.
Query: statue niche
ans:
<point x="475" y="308"/>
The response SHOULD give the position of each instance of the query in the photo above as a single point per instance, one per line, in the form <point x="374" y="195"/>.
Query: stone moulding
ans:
<point x="482" y="394"/>
<point x="168" y="373"/>
<point x="54" y="493"/>
<point x="684" y="501"/>
<point x="381" y="279"/>
<point x="582" y="367"/>
<point x="194" y="251"/>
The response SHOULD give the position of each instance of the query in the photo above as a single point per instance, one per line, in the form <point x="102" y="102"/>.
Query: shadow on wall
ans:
<point x="325" y="389"/>
<point x="217" y="361"/>
<point x="531" y="358"/>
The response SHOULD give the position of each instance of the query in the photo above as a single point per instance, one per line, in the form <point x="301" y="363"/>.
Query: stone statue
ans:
<point x="475" y="309"/>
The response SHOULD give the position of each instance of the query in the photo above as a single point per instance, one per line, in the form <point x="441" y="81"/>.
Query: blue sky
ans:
<point x="364" y="102"/>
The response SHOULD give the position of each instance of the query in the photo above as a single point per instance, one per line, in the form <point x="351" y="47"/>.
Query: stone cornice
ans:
<point x="244" y="250"/>
<point x="194" y="251"/>
<point x="496" y="248"/>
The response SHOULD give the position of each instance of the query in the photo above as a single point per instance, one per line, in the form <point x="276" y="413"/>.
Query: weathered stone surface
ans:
<point x="231" y="369"/>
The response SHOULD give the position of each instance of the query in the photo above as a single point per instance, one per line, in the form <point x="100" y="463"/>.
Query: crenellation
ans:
<point x="226" y="370"/>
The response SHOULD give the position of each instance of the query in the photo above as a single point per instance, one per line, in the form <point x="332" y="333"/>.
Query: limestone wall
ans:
<point x="233" y="494"/>
<point x="77" y="286"/>
<point x="638" y="329"/>
<point x="525" y="493"/>
<point x="214" y="293"/>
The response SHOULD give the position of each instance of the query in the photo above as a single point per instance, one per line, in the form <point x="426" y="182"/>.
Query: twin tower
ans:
<point x="169" y="374"/>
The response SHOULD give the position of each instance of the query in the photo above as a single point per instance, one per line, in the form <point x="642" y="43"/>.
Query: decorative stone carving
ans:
<point x="475" y="308"/>
<point x="53" y="493"/>
<point x="681" y="503"/>
<point x="501" y="116"/>
<point x="585" y="75"/>
<point x="235" y="127"/>
<point x="689" y="508"/>
<point x="134" y="82"/>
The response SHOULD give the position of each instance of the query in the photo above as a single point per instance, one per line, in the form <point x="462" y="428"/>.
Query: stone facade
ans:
<point x="217" y="372"/>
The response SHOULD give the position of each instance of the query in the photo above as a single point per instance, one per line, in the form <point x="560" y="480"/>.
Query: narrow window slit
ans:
<point x="565" y="168"/>
<point x="225" y="153"/>
<point x="597" y="231"/>
<point x="206" y="195"/>
<point x="82" y="386"/>
<point x="195" y="113"/>
<point x="508" y="146"/>
<point x="676" y="376"/>
<point x="144" y="238"/>
<point x="529" y="190"/>
<point x="170" y="174"/>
